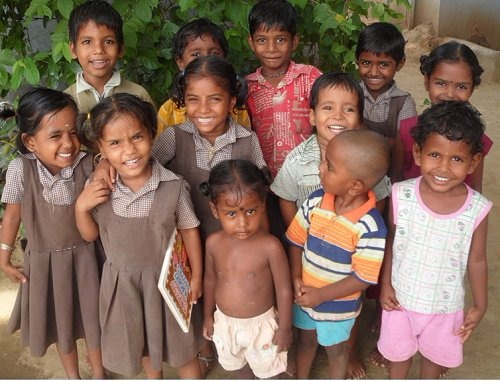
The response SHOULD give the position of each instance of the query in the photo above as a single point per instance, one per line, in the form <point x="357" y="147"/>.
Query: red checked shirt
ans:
<point x="280" y="115"/>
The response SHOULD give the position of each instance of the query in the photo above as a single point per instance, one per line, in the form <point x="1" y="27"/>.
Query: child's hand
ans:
<point x="208" y="328"/>
<point x="297" y="286"/>
<point x="14" y="273"/>
<point x="104" y="171"/>
<point x="196" y="289"/>
<point x="472" y="319"/>
<point x="388" y="299"/>
<point x="310" y="297"/>
<point x="283" y="339"/>
<point x="95" y="192"/>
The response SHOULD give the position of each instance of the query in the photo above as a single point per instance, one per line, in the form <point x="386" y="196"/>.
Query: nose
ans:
<point x="444" y="165"/>
<point x="271" y="45"/>
<point x="99" y="46"/>
<point x="373" y="69"/>
<point x="67" y="142"/>
<point x="242" y="222"/>
<point x="129" y="147"/>
<point x="204" y="107"/>
<point x="450" y="93"/>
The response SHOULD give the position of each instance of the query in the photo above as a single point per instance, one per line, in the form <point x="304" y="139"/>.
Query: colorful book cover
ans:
<point x="174" y="282"/>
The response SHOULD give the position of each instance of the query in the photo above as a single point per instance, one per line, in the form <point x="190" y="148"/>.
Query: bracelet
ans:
<point x="5" y="247"/>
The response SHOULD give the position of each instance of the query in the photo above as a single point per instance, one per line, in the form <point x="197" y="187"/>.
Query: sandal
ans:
<point x="206" y="364"/>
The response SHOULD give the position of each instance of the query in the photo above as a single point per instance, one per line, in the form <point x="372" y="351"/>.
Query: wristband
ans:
<point x="5" y="247"/>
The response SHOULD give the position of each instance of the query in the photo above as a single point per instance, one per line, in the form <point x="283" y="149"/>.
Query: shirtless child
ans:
<point x="246" y="276"/>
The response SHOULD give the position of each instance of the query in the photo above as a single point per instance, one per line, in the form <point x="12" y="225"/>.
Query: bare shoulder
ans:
<point x="271" y="244"/>
<point x="214" y="240"/>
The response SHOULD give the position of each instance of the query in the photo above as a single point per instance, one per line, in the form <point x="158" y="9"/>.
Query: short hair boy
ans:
<point x="96" y="41"/>
<point x="197" y="38"/>
<point x="278" y="91"/>
<point x="337" y="246"/>
<point x="380" y="54"/>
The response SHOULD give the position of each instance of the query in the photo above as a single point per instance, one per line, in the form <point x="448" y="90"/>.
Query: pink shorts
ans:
<point x="403" y="333"/>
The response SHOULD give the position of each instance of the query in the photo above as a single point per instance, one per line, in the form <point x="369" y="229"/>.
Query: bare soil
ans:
<point x="482" y="359"/>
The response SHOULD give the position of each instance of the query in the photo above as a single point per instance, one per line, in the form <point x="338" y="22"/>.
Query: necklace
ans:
<point x="272" y="76"/>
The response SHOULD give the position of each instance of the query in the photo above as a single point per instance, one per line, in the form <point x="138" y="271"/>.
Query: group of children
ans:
<point x="324" y="144"/>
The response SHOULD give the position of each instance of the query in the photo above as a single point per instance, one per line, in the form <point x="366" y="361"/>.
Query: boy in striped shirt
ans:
<point x="338" y="241"/>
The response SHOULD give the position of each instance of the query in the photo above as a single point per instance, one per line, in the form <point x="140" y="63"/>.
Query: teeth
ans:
<point x="439" y="178"/>
<point x="133" y="161"/>
<point x="336" y="127"/>
<point x="64" y="154"/>
<point x="205" y="120"/>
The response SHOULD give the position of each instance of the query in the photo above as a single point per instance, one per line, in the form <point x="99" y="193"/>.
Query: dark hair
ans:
<point x="195" y="29"/>
<point x="454" y="120"/>
<point x="236" y="176"/>
<point x="34" y="105"/>
<point x="120" y="104"/>
<point x="211" y="66"/>
<point x="98" y="11"/>
<point x="382" y="37"/>
<point x="269" y="14"/>
<point x="452" y="51"/>
<point x="342" y="80"/>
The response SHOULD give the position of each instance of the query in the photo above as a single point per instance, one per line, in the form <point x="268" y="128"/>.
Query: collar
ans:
<point x="234" y="131"/>
<point x="328" y="203"/>
<point x="83" y="85"/>
<point x="310" y="152"/>
<point x="294" y="70"/>
<point x="392" y="91"/>
<point x="65" y="173"/>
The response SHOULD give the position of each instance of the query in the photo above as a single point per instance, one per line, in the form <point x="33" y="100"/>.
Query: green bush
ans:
<point x="328" y="32"/>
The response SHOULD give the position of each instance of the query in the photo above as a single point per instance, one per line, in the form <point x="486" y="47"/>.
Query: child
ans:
<point x="278" y="92"/>
<point x="451" y="72"/>
<point x="336" y="103"/>
<point x="58" y="298"/>
<point x="148" y="202"/>
<point x="197" y="38"/>
<point x="337" y="245"/>
<point x="96" y="41"/>
<point x="380" y="54"/>
<point x="245" y="263"/>
<point x="439" y="227"/>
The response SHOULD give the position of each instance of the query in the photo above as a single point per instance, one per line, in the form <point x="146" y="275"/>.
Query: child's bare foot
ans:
<point x="444" y="372"/>
<point x="207" y="363"/>
<point x="376" y="358"/>
<point x="355" y="368"/>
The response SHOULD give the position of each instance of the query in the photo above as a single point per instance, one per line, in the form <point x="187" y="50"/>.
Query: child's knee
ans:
<point x="337" y="350"/>
<point x="307" y="339"/>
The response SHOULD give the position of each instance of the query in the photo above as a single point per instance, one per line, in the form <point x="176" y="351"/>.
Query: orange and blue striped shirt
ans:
<point x="338" y="246"/>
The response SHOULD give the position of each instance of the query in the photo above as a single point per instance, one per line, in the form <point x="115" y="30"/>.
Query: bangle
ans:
<point x="5" y="247"/>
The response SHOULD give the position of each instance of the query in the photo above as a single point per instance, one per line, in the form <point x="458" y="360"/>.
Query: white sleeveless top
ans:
<point x="431" y="250"/>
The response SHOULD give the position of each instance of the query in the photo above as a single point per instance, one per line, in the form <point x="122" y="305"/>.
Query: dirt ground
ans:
<point x="481" y="351"/>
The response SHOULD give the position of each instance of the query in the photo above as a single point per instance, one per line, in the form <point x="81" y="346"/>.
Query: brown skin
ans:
<point x="252" y="269"/>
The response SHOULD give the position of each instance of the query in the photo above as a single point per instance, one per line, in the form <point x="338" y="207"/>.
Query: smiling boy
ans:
<point x="96" y="41"/>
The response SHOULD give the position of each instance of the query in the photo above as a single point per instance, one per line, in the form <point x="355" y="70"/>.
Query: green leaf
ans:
<point x="130" y="36"/>
<point x="17" y="75"/>
<point x="57" y="50"/>
<point x="65" y="7"/>
<point x="143" y="11"/>
<point x="299" y="3"/>
<point x="186" y="4"/>
<point x="66" y="51"/>
<point x="31" y="72"/>
<point x="4" y="78"/>
<point x="378" y="10"/>
<point x="7" y="57"/>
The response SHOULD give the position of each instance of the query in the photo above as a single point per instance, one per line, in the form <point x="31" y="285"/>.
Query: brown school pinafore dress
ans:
<point x="389" y="128"/>
<point x="135" y="320"/>
<point x="59" y="303"/>
<point x="184" y="163"/>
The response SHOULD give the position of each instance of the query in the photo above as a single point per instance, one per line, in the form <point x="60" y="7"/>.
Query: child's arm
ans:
<point x="8" y="232"/>
<point x="288" y="210"/>
<point x="282" y="286"/>
<point x="295" y="256"/>
<point x="477" y="267"/>
<point x="192" y="242"/>
<point x="209" y="280"/>
<point x="388" y="299"/>
<point x="397" y="160"/>
<point x="104" y="171"/>
<point x="94" y="193"/>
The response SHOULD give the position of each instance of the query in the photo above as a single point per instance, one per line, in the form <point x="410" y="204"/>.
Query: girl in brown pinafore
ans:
<point x="135" y="223"/>
<point x="58" y="298"/>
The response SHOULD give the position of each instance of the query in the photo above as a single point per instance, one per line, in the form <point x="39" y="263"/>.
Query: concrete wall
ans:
<point x="459" y="18"/>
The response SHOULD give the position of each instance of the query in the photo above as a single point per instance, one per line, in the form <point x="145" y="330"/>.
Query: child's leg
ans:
<point x="399" y="369"/>
<point x="70" y="363"/>
<point x="95" y="360"/>
<point x="338" y="356"/>
<point x="306" y="351"/>
<point x="355" y="368"/>
<point x="428" y="369"/>
<point x="152" y="374"/>
<point x="190" y="370"/>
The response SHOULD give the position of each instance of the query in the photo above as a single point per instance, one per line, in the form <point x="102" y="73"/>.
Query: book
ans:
<point x="175" y="280"/>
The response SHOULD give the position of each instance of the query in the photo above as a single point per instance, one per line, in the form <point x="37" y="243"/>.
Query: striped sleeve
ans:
<point x="367" y="259"/>
<point x="299" y="227"/>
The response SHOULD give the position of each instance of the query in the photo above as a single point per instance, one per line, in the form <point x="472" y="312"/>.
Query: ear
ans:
<point x="426" y="82"/>
<point x="356" y="187"/>
<point x="312" y="117"/>
<point x="401" y="64"/>
<point x="29" y="142"/>
<point x="99" y="146"/>
<point x="232" y="103"/>
<point x="213" y="209"/>
<point x="180" y="63"/>
<point x="121" y="51"/>
<point x="73" y="50"/>
<point x="295" y="42"/>
<point x="476" y="160"/>
<point x="417" y="154"/>
<point x="250" y="43"/>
